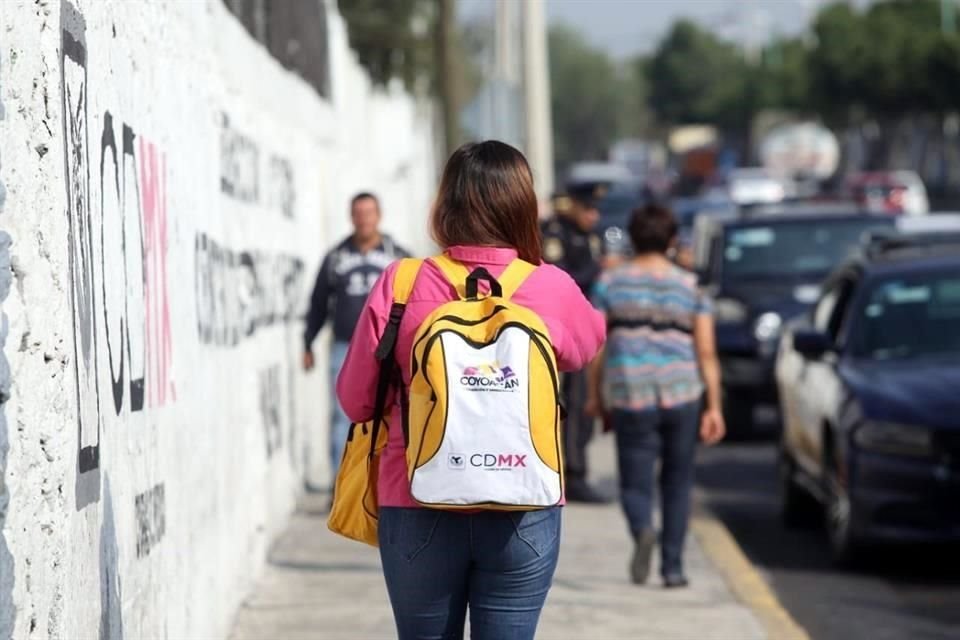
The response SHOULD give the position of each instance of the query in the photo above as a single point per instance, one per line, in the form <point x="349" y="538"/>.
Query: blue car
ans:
<point x="869" y="385"/>
<point x="762" y="270"/>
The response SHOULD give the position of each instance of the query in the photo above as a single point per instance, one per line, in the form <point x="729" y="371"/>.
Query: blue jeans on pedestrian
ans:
<point x="642" y="438"/>
<point x="437" y="563"/>
<point x="339" y="422"/>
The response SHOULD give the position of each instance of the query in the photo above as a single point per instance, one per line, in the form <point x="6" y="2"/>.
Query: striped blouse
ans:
<point x="650" y="358"/>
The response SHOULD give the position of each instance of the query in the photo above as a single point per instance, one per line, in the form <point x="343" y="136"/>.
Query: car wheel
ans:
<point x="797" y="507"/>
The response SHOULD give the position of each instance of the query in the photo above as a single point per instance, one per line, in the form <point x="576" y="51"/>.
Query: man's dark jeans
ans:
<point x="437" y="562"/>
<point x="642" y="438"/>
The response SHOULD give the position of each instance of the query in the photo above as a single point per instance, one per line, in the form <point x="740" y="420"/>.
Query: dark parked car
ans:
<point x="761" y="271"/>
<point x="870" y="389"/>
<point x="616" y="205"/>
<point x="686" y="211"/>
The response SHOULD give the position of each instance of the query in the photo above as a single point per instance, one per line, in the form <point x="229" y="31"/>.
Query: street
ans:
<point x="897" y="593"/>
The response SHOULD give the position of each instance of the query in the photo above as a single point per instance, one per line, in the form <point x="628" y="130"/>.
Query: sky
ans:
<point x="627" y="27"/>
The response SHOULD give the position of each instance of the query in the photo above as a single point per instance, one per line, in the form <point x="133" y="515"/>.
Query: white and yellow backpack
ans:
<point x="482" y="424"/>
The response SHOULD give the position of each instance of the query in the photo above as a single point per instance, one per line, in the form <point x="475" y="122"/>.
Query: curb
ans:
<point x="744" y="579"/>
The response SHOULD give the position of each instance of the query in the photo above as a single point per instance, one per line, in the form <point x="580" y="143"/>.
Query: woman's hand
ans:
<point x="712" y="426"/>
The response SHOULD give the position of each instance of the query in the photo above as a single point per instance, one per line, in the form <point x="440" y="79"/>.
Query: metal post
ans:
<point x="449" y="101"/>
<point x="536" y="80"/>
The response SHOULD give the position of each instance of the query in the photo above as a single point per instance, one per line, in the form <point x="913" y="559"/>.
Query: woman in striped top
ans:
<point x="659" y="366"/>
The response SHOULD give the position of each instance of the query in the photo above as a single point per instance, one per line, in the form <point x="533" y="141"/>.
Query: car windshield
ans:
<point x="910" y="317"/>
<point x="795" y="248"/>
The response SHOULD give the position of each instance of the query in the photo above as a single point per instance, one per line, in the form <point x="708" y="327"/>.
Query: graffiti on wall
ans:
<point x="281" y="195"/>
<point x="270" y="403"/>
<point x="134" y="244"/>
<point x="151" y="512"/>
<point x="73" y="85"/>
<point x="118" y="244"/>
<point x="240" y="292"/>
<point x="239" y="164"/>
<point x="242" y="177"/>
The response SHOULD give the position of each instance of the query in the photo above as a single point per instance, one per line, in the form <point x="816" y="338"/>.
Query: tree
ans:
<point x="393" y="38"/>
<point x="837" y="74"/>
<point x="636" y="119"/>
<point x="900" y="35"/>
<point x="879" y="63"/>
<point x="943" y="68"/>
<point x="418" y="42"/>
<point x="782" y="80"/>
<point x="694" y="76"/>
<point x="588" y="95"/>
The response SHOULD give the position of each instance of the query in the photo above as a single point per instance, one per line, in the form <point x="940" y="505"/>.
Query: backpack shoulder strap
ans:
<point x="515" y="275"/>
<point x="404" y="279"/>
<point x="455" y="272"/>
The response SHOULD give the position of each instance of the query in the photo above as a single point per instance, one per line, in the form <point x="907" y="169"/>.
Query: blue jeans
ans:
<point x="642" y="438"/>
<point x="436" y="563"/>
<point x="339" y="422"/>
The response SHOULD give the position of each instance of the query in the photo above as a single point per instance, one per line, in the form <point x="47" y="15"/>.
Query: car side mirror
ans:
<point x="811" y="344"/>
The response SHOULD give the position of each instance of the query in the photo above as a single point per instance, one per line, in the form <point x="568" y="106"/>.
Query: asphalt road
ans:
<point x="898" y="593"/>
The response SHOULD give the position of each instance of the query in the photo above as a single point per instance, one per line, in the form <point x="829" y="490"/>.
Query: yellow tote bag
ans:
<point x="355" y="511"/>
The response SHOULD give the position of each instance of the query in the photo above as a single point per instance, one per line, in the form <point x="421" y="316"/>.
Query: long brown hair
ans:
<point x="486" y="198"/>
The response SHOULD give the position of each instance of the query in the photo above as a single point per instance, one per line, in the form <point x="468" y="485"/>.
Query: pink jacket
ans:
<point x="576" y="329"/>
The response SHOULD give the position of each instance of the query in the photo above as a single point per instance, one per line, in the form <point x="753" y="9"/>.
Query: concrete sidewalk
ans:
<point x="318" y="585"/>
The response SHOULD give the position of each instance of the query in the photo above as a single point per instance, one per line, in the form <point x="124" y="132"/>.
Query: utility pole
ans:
<point x="507" y="73"/>
<point x="448" y="83"/>
<point x="536" y="81"/>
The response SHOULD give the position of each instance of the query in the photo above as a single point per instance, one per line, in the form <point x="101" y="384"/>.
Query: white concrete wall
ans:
<point x="168" y="204"/>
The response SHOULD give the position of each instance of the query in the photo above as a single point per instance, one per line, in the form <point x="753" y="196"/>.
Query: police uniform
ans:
<point x="578" y="253"/>
<point x="575" y="251"/>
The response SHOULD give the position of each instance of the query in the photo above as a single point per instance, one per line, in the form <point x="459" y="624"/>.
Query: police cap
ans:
<point x="587" y="194"/>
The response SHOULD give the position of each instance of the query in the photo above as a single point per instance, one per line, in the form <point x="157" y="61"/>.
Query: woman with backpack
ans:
<point x="470" y="481"/>
<point x="659" y="363"/>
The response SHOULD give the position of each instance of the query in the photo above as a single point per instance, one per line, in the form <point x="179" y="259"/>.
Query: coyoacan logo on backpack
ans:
<point x="489" y="377"/>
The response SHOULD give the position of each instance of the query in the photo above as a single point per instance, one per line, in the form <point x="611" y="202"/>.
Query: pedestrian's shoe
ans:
<point x="582" y="492"/>
<point x="642" y="552"/>
<point x="675" y="581"/>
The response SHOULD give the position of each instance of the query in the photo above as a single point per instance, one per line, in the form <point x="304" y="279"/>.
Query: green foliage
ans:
<point x="943" y="69"/>
<point x="696" y="77"/>
<point x="885" y="62"/>
<point x="393" y="38"/>
<point x="782" y="81"/>
<point x="593" y="101"/>
<point x="835" y="77"/>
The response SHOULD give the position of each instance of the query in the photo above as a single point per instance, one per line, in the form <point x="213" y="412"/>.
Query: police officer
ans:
<point x="571" y="243"/>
